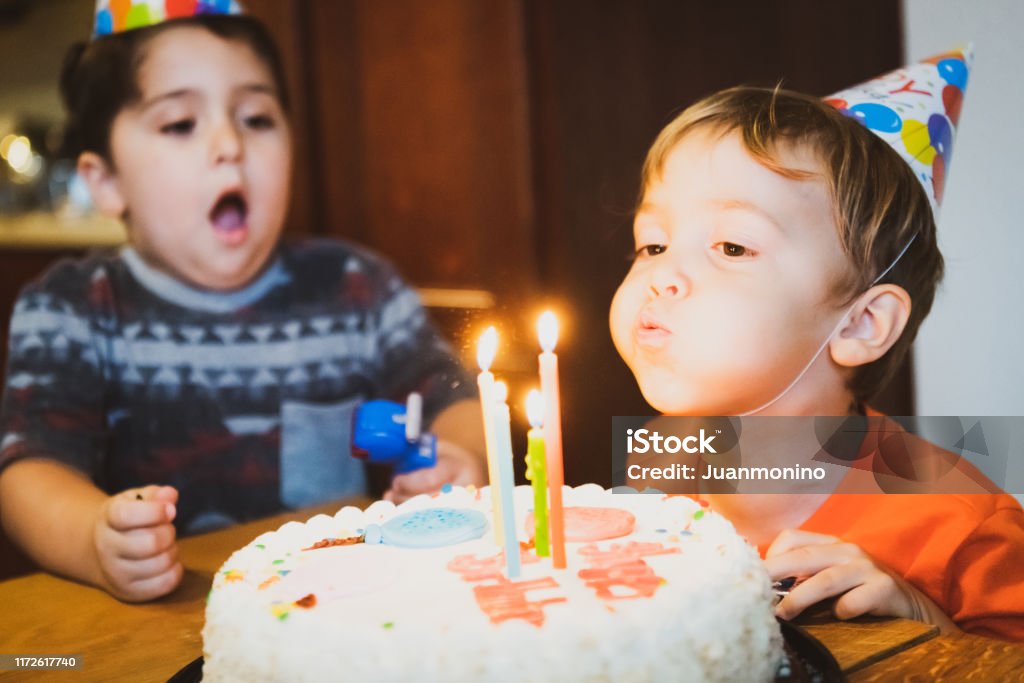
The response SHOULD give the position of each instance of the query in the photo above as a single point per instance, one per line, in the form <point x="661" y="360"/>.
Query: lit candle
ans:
<point x="547" y="330"/>
<point x="486" y="350"/>
<point x="506" y="478"/>
<point x="536" y="471"/>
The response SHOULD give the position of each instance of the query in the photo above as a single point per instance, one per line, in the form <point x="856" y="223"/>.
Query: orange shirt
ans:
<point x="948" y="530"/>
<point x="965" y="551"/>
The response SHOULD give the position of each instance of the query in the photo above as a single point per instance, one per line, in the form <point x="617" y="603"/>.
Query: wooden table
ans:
<point x="43" y="614"/>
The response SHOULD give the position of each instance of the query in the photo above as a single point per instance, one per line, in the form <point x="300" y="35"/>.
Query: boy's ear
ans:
<point x="103" y="184"/>
<point x="872" y="327"/>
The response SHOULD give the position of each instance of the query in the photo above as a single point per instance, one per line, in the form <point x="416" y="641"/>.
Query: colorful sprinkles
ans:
<point x="233" y="575"/>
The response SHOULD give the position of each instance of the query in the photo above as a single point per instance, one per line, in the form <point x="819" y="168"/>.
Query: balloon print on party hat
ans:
<point x="115" y="16"/>
<point x="916" y="110"/>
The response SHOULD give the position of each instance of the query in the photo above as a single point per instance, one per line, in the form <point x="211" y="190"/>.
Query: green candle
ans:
<point x="536" y="471"/>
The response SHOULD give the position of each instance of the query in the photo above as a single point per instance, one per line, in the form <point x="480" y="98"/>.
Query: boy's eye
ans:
<point x="183" y="127"/>
<point x="650" y="250"/>
<point x="260" y="122"/>
<point x="733" y="250"/>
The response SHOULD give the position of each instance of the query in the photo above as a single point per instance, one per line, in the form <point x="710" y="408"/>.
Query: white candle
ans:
<point x="547" y="331"/>
<point x="506" y="475"/>
<point x="486" y="350"/>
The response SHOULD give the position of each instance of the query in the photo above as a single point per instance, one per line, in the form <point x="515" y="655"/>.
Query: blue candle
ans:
<point x="506" y="476"/>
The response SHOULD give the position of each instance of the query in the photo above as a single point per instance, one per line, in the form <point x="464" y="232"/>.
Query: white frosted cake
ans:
<point x="656" y="588"/>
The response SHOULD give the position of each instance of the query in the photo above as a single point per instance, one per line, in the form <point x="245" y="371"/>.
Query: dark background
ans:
<point x="496" y="145"/>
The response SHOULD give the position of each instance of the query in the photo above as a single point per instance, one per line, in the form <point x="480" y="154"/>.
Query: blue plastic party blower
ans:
<point x="390" y="433"/>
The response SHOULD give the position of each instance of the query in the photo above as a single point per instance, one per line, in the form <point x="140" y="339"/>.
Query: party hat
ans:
<point x="916" y="110"/>
<point x="114" y="16"/>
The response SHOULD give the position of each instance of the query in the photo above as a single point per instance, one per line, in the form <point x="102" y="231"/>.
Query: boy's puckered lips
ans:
<point x="650" y="330"/>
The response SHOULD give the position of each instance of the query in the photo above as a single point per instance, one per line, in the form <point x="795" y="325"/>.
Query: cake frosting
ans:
<point x="656" y="588"/>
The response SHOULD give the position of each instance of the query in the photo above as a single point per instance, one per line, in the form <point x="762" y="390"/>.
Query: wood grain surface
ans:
<point x="861" y="642"/>
<point x="950" y="658"/>
<point x="47" y="615"/>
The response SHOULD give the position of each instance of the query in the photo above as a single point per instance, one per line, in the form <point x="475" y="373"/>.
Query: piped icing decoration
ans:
<point x="333" y="542"/>
<point x="433" y="528"/>
<point x="372" y="535"/>
<point x="620" y="571"/>
<point x="498" y="597"/>
<point x="589" y="524"/>
<point x="473" y="568"/>
<point x="505" y="599"/>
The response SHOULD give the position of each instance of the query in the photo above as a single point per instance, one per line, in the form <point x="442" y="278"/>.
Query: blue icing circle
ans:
<point x="433" y="528"/>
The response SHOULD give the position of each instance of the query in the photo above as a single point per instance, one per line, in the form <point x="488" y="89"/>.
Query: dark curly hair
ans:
<point x="99" y="78"/>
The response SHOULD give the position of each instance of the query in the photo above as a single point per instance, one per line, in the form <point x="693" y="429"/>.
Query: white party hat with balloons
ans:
<point x="916" y="110"/>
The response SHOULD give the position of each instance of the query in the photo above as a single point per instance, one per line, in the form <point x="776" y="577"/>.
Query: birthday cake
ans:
<point x="655" y="588"/>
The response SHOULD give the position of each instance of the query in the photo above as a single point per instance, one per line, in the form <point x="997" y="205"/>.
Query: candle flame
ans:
<point x="500" y="392"/>
<point x="547" y="331"/>
<point x="535" y="408"/>
<point x="487" y="348"/>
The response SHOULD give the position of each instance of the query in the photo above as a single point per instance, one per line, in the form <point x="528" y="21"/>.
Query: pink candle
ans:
<point x="547" y="329"/>
<point x="486" y="350"/>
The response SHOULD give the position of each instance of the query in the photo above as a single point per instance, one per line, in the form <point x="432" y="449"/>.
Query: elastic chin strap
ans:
<point x="831" y="334"/>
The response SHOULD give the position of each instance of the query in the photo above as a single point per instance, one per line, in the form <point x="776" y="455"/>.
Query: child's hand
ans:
<point x="830" y="567"/>
<point x="455" y="465"/>
<point x="135" y="544"/>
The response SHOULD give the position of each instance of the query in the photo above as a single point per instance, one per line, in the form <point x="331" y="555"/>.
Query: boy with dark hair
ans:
<point x="206" y="373"/>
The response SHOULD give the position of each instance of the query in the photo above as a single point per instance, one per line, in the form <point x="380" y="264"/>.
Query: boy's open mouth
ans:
<point x="229" y="216"/>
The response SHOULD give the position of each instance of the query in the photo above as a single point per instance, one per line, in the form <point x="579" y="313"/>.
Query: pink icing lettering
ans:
<point x="499" y="598"/>
<point x="623" y="567"/>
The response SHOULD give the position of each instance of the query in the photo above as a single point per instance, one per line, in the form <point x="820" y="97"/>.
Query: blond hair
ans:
<point x="878" y="203"/>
